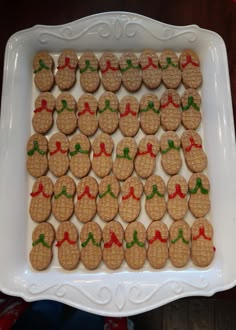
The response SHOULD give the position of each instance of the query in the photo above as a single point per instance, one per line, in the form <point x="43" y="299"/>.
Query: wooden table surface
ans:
<point x="215" y="15"/>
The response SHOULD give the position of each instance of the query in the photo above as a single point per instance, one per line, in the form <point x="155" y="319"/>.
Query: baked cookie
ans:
<point x="203" y="249"/>
<point x="43" y="66"/>
<point x="191" y="115"/>
<point x="171" y="160"/>
<point x="66" y="118"/>
<point x="149" y="113"/>
<point x="129" y="121"/>
<point x="155" y="204"/>
<point x="37" y="162"/>
<point x="79" y="155"/>
<point x="67" y="244"/>
<point x="107" y="204"/>
<point x="135" y="253"/>
<point x="87" y="121"/>
<point x="43" y="237"/>
<point x="40" y="204"/>
<point x="177" y="204"/>
<point x="42" y="119"/>
<point x="85" y="207"/>
<point x="66" y="69"/>
<point x="63" y="203"/>
<point x="131" y="73"/>
<point x="179" y="248"/>
<point x="58" y="162"/>
<point x="102" y="154"/>
<point x="170" y="110"/>
<point x="123" y="165"/>
<point x="195" y="157"/>
<point x="89" y="77"/>
<point x="199" y="201"/>
<point x="111" y="75"/>
<point x="91" y="252"/>
<point x="108" y="112"/>
<point x="145" y="161"/>
<point x="130" y="207"/>
<point x="190" y="66"/>
<point x="171" y="75"/>
<point x="150" y="68"/>
<point x="113" y="252"/>
<point x="157" y="237"/>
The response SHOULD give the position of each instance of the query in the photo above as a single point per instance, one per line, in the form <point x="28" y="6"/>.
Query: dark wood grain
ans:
<point x="216" y="15"/>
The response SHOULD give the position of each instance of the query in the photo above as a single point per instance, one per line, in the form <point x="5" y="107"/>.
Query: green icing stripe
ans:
<point x="154" y="192"/>
<point x="36" y="148"/>
<point x="135" y="241"/>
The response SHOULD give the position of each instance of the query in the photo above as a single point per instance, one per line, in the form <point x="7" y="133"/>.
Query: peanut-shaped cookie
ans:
<point x="63" y="204"/>
<point x="89" y="77"/>
<point x="145" y="161"/>
<point x="131" y="73"/>
<point x="43" y="237"/>
<point x="66" y="69"/>
<point x="58" y="146"/>
<point x="149" y="113"/>
<point x="130" y="207"/>
<point x="66" y="118"/>
<point x="129" y="122"/>
<point x="85" y="207"/>
<point x="107" y="204"/>
<point x="150" y="69"/>
<point x="67" y="244"/>
<point x="42" y="120"/>
<point x="171" y="75"/>
<point x="102" y="155"/>
<point x="111" y="75"/>
<point x="37" y="162"/>
<point x="108" y="112"/>
<point x="87" y="114"/>
<point x="91" y="252"/>
<point x="40" y="204"/>
<point x="113" y="252"/>
<point x="43" y="66"/>
<point x="123" y="165"/>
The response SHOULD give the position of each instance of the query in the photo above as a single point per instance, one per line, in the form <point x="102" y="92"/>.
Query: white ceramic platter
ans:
<point x="123" y="292"/>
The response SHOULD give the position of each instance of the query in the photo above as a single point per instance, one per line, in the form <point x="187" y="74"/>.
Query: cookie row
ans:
<point x="128" y="70"/>
<point x="103" y="198"/>
<point x="128" y="156"/>
<point x="108" y="112"/>
<point x="113" y="245"/>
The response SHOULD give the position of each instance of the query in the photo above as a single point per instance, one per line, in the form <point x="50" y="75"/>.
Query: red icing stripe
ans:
<point x="170" y="100"/>
<point x="86" y="109"/>
<point x="66" y="238"/>
<point x="157" y="237"/>
<point x="39" y="191"/>
<point x="58" y="149"/>
<point x="43" y="107"/>
<point x="193" y="144"/>
<point x="148" y="151"/>
<point x="109" y="67"/>
<point x="66" y="65"/>
<point x="113" y="240"/>
<point x="128" y="111"/>
<point x="102" y="151"/>
<point x="130" y="194"/>
<point x="201" y="233"/>
<point x="150" y="64"/>
<point x="177" y="192"/>
<point x="189" y="61"/>
<point x="86" y="192"/>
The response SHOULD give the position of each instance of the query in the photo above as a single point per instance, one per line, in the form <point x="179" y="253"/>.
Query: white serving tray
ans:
<point x="123" y="292"/>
